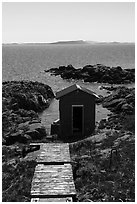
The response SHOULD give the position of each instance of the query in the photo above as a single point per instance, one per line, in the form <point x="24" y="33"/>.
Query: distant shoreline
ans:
<point x="78" y="42"/>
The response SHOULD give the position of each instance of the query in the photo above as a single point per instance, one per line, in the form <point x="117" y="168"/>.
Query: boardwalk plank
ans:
<point x="66" y="199"/>
<point x="54" y="153"/>
<point x="53" y="182"/>
<point x="53" y="177"/>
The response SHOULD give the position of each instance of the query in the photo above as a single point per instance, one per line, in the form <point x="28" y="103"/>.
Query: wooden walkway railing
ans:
<point x="53" y="177"/>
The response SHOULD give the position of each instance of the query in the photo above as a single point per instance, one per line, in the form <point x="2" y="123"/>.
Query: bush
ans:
<point x="129" y="123"/>
<point x="16" y="181"/>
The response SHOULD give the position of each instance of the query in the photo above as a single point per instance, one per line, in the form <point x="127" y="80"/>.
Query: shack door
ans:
<point x="77" y="120"/>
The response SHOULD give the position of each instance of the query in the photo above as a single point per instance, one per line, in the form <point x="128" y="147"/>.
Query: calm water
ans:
<point x="29" y="62"/>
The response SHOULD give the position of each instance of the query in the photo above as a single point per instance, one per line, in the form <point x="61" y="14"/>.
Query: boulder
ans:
<point x="67" y="74"/>
<point x="107" y="79"/>
<point x="15" y="106"/>
<point x="130" y="98"/>
<point x="127" y="108"/>
<point x="119" y="105"/>
<point x="26" y="95"/>
<point x="70" y="67"/>
<point x="35" y="121"/>
<point x="34" y="134"/>
<point x="25" y="138"/>
<point x="14" y="137"/>
<point x="23" y="126"/>
<point x="99" y="100"/>
<point x="27" y="113"/>
<point x="113" y="103"/>
<point x="42" y="100"/>
<point x="102" y="124"/>
<point x="3" y="141"/>
<point x="36" y="130"/>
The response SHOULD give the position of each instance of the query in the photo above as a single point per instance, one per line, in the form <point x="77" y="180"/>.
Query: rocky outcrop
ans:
<point x="22" y="100"/>
<point x="121" y="103"/>
<point x="25" y="133"/>
<point x="96" y="73"/>
<point x="26" y="95"/>
<point x="122" y="100"/>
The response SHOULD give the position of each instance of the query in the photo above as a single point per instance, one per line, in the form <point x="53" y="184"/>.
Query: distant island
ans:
<point x="77" y="42"/>
<point x="71" y="42"/>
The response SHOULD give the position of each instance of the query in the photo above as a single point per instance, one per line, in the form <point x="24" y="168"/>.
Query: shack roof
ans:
<point x="72" y="88"/>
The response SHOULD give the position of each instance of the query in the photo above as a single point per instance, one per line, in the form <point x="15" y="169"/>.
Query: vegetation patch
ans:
<point x="16" y="180"/>
<point x="104" y="172"/>
<point x="104" y="164"/>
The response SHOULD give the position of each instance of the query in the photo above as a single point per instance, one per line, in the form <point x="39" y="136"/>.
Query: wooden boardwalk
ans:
<point x="53" y="177"/>
<point x="54" y="153"/>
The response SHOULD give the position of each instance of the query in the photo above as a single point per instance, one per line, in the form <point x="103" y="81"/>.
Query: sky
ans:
<point x="63" y="21"/>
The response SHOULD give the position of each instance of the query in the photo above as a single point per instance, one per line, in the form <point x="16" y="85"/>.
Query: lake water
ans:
<point x="28" y="62"/>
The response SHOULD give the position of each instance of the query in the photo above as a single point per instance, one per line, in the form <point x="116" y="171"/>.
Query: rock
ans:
<point x="102" y="124"/>
<point x="100" y="99"/>
<point x="15" y="106"/>
<point x="27" y="95"/>
<point x="25" y="138"/>
<point x="14" y="137"/>
<point x="36" y="131"/>
<point x="24" y="113"/>
<point x="35" y="121"/>
<point x="17" y="134"/>
<point x="22" y="100"/>
<point x="130" y="98"/>
<point x="121" y="100"/>
<point x="67" y="74"/>
<point x="109" y="88"/>
<point x="127" y="108"/>
<point x="70" y="67"/>
<point x="3" y="141"/>
<point x="85" y="157"/>
<point x="35" y="126"/>
<point x="42" y="100"/>
<point x="96" y="73"/>
<point x="12" y="162"/>
<point x="88" y="68"/>
<point x="106" y="78"/>
<point x="113" y="103"/>
<point x="23" y="126"/>
<point x="34" y="134"/>
<point x="119" y="106"/>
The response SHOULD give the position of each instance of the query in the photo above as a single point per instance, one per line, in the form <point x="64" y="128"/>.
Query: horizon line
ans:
<point x="61" y="41"/>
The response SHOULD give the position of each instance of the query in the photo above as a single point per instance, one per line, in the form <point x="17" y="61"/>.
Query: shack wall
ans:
<point x="76" y="97"/>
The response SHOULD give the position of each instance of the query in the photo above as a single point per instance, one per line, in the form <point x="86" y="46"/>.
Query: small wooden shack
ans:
<point x="77" y="112"/>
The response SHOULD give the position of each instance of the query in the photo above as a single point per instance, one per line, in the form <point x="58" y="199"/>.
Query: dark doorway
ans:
<point x="77" y="120"/>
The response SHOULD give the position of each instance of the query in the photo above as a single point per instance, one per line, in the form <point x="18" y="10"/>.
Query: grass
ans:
<point x="129" y="123"/>
<point x="17" y="173"/>
<point x="16" y="181"/>
<point x="101" y="174"/>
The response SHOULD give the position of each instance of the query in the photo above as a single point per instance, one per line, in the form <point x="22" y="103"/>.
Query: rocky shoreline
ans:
<point x="94" y="176"/>
<point x="121" y="103"/>
<point x="96" y="73"/>
<point x="21" y="103"/>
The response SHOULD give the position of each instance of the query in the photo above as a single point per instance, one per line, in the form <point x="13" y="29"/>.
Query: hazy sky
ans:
<point x="48" y="22"/>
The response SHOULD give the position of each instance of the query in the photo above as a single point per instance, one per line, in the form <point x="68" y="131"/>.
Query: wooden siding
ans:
<point x="65" y="107"/>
